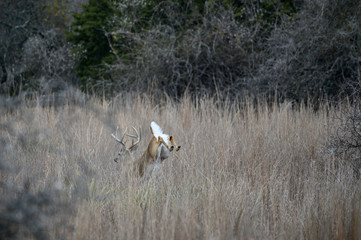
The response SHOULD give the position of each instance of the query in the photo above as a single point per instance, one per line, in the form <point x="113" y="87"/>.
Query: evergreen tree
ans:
<point x="88" y="36"/>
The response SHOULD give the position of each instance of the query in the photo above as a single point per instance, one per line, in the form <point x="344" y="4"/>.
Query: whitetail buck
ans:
<point x="126" y="150"/>
<point x="158" y="149"/>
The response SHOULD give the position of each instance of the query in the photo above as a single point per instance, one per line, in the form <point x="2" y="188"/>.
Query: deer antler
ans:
<point x="137" y="136"/>
<point x="117" y="139"/>
<point x="134" y="144"/>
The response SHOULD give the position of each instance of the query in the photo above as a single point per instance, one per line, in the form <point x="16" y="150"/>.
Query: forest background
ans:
<point x="294" y="49"/>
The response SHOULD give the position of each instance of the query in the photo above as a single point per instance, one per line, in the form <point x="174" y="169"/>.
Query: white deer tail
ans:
<point x="158" y="132"/>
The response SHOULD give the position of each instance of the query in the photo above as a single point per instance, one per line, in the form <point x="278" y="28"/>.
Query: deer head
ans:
<point x="123" y="149"/>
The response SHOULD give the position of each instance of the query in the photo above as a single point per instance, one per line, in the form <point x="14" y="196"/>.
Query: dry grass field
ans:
<point x="243" y="172"/>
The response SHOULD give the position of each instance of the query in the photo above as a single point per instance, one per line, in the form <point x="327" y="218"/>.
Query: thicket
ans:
<point x="200" y="47"/>
<point x="296" y="49"/>
<point x="315" y="55"/>
<point x="293" y="49"/>
<point x="34" y="56"/>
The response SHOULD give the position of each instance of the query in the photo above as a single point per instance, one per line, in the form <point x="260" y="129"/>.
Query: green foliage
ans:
<point x="89" y="38"/>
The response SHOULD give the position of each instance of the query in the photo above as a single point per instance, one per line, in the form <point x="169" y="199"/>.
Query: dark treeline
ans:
<point x="294" y="49"/>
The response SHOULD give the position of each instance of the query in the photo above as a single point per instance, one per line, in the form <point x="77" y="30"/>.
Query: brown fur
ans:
<point x="151" y="153"/>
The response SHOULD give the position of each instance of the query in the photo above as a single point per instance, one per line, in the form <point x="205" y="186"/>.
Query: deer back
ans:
<point x="149" y="156"/>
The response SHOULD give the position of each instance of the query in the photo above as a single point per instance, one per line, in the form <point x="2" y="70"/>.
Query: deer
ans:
<point x="158" y="149"/>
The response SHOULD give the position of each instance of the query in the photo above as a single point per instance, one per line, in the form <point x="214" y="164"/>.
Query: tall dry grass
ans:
<point x="243" y="172"/>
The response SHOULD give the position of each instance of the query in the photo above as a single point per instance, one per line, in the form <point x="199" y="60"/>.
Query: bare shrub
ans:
<point x="314" y="53"/>
<point x="46" y="63"/>
<point x="346" y="141"/>
<point x="208" y="55"/>
<point x="34" y="56"/>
